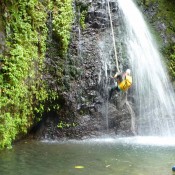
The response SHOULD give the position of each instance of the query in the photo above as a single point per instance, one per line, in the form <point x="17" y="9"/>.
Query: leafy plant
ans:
<point x="23" y="90"/>
<point x="62" y="125"/>
<point x="82" y="19"/>
<point x="62" y="22"/>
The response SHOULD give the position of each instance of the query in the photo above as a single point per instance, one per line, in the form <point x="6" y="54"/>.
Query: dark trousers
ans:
<point x="114" y="88"/>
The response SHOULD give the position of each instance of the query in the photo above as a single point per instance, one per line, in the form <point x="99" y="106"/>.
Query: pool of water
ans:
<point x="104" y="156"/>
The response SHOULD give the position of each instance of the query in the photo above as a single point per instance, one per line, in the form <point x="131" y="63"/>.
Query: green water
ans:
<point x="98" y="157"/>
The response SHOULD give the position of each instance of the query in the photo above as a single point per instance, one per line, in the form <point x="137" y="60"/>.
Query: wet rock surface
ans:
<point x="86" y="111"/>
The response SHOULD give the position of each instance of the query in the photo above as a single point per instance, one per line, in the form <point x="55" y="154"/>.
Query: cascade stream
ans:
<point x="153" y="92"/>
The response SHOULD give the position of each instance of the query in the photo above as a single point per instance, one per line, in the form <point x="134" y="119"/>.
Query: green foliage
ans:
<point x="81" y="9"/>
<point x="62" y="20"/>
<point x="62" y="125"/>
<point x="169" y="52"/>
<point x="24" y="94"/>
<point x="82" y="19"/>
<point x="22" y="90"/>
<point x="53" y="99"/>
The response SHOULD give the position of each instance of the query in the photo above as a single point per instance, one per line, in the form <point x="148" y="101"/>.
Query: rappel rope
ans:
<point x="115" y="52"/>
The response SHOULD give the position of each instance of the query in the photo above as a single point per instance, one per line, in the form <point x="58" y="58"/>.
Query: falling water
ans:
<point x="106" y="65"/>
<point x="106" y="50"/>
<point x="152" y="89"/>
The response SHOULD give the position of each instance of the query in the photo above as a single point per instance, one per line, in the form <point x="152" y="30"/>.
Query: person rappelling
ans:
<point x="123" y="82"/>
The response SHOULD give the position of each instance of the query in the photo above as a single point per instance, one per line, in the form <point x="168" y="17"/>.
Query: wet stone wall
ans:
<point x="87" y="112"/>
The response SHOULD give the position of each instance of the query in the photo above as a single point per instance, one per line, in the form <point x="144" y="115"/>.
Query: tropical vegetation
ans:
<point x="22" y="86"/>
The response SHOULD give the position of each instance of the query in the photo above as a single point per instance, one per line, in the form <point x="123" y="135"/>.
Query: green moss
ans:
<point x="81" y="9"/>
<point x="62" y="23"/>
<point x="23" y="91"/>
<point x="169" y="53"/>
<point x="82" y="19"/>
<point x="22" y="88"/>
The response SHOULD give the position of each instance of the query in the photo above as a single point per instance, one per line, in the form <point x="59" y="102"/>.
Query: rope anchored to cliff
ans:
<point x="115" y="52"/>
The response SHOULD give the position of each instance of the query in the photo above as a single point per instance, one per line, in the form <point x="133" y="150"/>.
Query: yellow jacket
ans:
<point x="126" y="83"/>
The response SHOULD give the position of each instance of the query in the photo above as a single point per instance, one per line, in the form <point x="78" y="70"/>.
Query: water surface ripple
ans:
<point x="101" y="156"/>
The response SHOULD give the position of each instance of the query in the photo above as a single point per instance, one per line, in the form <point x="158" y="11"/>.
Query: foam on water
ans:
<point x="138" y="140"/>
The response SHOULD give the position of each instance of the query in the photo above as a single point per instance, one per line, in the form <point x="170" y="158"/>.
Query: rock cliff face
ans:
<point x="86" y="111"/>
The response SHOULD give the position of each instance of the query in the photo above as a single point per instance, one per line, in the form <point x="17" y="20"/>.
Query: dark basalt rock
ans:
<point x="85" y="109"/>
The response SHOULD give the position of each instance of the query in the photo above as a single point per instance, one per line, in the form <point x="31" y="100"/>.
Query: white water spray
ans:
<point x="152" y="89"/>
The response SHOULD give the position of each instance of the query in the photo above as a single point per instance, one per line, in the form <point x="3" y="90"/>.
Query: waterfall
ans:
<point x="106" y="50"/>
<point x="152" y="89"/>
